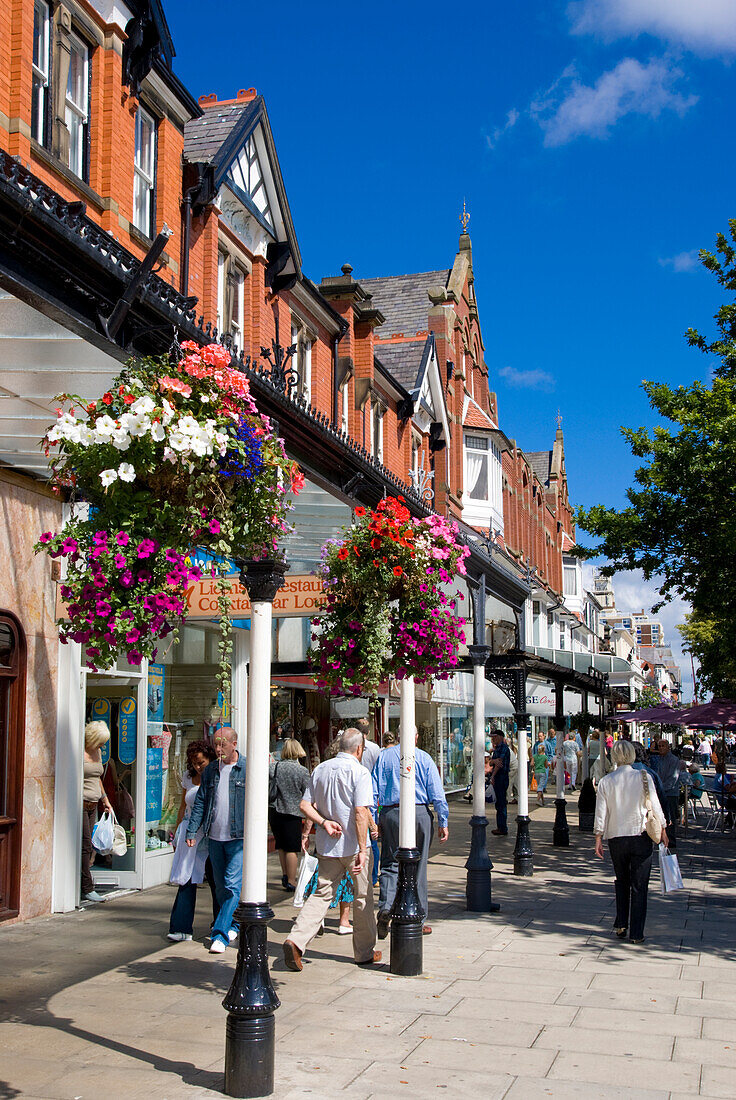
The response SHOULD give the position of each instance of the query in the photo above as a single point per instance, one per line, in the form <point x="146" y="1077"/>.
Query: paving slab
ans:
<point x="625" y="1043"/>
<point x="628" y="1072"/>
<point x="545" y="1088"/>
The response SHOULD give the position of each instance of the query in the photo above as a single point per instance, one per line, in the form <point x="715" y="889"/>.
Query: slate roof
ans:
<point x="402" y="361"/>
<point x="205" y="136"/>
<point x="541" y="463"/>
<point x="403" y="300"/>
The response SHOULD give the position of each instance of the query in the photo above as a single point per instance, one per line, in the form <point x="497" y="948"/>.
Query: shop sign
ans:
<point x="127" y="730"/>
<point x="101" y="713"/>
<point x="155" y="705"/>
<point x="154" y="777"/>
<point x="301" y="596"/>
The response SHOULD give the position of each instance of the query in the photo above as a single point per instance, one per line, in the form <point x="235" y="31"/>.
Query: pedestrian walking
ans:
<point x="96" y="734"/>
<point x="570" y="756"/>
<point x="540" y="765"/>
<point x="371" y="752"/>
<point x="428" y="790"/>
<point x="288" y="780"/>
<point x="670" y="770"/>
<point x="500" y="768"/>
<point x="338" y="800"/>
<point x="620" y="818"/>
<point x="219" y="810"/>
<point x="189" y="862"/>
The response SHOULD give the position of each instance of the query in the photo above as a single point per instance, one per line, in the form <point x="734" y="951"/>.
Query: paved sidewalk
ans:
<point x="538" y="1000"/>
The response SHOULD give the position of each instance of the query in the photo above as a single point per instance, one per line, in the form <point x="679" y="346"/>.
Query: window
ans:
<point x="221" y="275"/>
<point x="237" y="279"/>
<point x="144" y="172"/>
<point x="41" y="57"/>
<point x="377" y="414"/>
<point x="476" y="466"/>
<point x="344" y="407"/>
<point x="77" y="106"/>
<point x="536" y="622"/>
<point x="302" y="359"/>
<point x="571" y="580"/>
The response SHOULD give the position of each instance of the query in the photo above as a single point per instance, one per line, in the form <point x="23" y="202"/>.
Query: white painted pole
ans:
<point x="479" y="740"/>
<point x="407" y="781"/>
<point x="560" y="764"/>
<point x="255" y="835"/>
<point x="522" y="758"/>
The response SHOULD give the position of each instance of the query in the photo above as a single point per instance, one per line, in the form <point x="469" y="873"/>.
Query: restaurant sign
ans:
<point x="301" y="596"/>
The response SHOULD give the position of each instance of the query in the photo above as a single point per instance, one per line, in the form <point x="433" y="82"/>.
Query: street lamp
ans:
<point x="251" y="999"/>
<point x="407" y="915"/>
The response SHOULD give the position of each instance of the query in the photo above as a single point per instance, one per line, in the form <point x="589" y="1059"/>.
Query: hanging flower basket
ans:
<point x="389" y="607"/>
<point x="173" y="458"/>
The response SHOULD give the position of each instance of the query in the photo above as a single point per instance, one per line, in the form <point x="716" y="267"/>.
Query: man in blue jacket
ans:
<point x="219" y="809"/>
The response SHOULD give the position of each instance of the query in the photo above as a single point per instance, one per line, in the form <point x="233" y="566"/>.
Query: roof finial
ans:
<point x="464" y="218"/>
<point x="559" y="420"/>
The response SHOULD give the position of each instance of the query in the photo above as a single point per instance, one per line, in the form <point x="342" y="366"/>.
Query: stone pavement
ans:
<point x="538" y="1000"/>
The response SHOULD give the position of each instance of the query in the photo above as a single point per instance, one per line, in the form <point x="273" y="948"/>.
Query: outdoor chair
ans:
<point x="694" y="799"/>
<point x="717" y="815"/>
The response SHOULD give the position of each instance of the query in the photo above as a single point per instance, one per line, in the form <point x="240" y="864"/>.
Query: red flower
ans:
<point x="128" y="399"/>
<point x="107" y="399"/>
<point x="398" y="570"/>
<point x="357" y="551"/>
<point x="359" y="511"/>
<point x="92" y="406"/>
<point x="376" y="563"/>
<point x="121" y="390"/>
<point x="343" y="553"/>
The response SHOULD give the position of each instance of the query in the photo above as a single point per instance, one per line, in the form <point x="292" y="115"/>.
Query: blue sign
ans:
<point x="154" y="778"/>
<point x="101" y="713"/>
<point x="156" y="681"/>
<point x="127" y="730"/>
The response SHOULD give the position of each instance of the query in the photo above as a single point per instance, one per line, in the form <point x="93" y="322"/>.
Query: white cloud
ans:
<point x="633" y="593"/>
<point x="527" y="379"/>
<point x="683" y="261"/>
<point x="511" y="119"/>
<point x="570" y="109"/>
<point x="706" y="27"/>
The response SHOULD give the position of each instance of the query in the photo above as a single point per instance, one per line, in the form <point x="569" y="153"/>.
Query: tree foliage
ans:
<point x="680" y="525"/>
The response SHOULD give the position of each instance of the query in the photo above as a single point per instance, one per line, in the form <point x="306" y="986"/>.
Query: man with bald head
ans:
<point x="219" y="809"/>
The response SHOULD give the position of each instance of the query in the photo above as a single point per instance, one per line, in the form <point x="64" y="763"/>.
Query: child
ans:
<point x="541" y="771"/>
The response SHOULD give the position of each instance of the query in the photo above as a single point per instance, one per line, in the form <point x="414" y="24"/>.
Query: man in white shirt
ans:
<point x="371" y="752"/>
<point x="338" y="800"/>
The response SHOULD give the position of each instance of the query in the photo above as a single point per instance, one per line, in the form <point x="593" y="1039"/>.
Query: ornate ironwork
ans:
<point x="262" y="579"/>
<point x="421" y="482"/>
<point x="512" y="682"/>
<point x="282" y="375"/>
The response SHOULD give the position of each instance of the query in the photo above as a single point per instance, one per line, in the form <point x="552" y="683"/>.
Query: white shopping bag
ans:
<point x="103" y="835"/>
<point x="307" y="867"/>
<point x="670" y="878"/>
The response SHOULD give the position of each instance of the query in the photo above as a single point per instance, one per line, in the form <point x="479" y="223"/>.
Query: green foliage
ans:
<point x="708" y="641"/>
<point x="680" y="525"/>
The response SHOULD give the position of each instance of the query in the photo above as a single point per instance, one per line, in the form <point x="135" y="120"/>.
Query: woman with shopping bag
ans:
<point x="629" y="816"/>
<point x="96" y="734"/>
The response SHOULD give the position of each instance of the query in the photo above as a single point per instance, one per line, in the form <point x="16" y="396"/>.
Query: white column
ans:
<point x="479" y="740"/>
<point x="67" y="835"/>
<point x="407" y="781"/>
<point x="522" y="756"/>
<point x="255" y="835"/>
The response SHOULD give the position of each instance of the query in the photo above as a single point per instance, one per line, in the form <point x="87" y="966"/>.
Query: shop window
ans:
<point x="12" y="747"/>
<point x="76" y="114"/>
<point x="144" y="173"/>
<point x="41" y="68"/>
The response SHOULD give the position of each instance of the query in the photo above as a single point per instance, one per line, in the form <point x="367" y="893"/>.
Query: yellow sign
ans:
<point x="300" y="597"/>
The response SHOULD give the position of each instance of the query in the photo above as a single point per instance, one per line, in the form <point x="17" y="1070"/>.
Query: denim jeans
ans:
<point x="182" y="912"/>
<point x="632" y="864"/>
<point x="501" y="800"/>
<point x="226" y="857"/>
<point x="376" y="860"/>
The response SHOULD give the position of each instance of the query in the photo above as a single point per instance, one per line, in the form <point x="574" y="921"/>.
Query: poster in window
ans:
<point x="127" y="730"/>
<point x="154" y="775"/>
<point x="156" y="680"/>
<point x="101" y="713"/>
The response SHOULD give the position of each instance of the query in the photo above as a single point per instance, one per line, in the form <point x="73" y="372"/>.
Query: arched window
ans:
<point x="12" y="744"/>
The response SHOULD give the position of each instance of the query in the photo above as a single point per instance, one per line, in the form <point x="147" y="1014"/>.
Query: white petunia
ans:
<point x="188" y="425"/>
<point x="126" y="471"/>
<point x="120" y="439"/>
<point x="179" y="442"/>
<point x="138" y="424"/>
<point x="104" y="427"/>
<point x="157" y="432"/>
<point x="107" y="477"/>
<point x="169" y="455"/>
<point x="144" y="405"/>
<point x="169" y="410"/>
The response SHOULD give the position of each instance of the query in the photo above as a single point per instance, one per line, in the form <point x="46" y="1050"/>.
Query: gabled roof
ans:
<point x="475" y="417"/>
<point x="404" y="301"/>
<point x="404" y="361"/>
<point x="218" y="137"/>
<point x="541" y="463"/>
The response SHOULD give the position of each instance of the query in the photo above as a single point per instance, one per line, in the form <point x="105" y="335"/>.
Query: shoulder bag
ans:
<point x="273" y="787"/>
<point x="652" y="825"/>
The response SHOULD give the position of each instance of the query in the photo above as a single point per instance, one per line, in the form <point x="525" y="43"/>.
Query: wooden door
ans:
<point x="12" y="746"/>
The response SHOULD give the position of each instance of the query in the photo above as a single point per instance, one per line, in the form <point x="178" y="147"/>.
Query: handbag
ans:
<point x="119" y="839"/>
<point x="273" y="787"/>
<point x="534" y="783"/>
<point x="652" y="824"/>
<point x="670" y="878"/>
<point x="307" y="867"/>
<point x="126" y="806"/>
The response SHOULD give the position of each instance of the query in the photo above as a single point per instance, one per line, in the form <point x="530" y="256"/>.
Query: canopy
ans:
<point x="662" y="713"/>
<point x="718" y="714"/>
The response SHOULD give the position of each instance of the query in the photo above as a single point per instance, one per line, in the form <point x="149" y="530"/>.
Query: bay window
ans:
<point x="476" y="467"/>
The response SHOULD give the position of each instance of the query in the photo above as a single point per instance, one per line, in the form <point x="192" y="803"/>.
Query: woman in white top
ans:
<point x="188" y="864"/>
<point x="620" y="818"/>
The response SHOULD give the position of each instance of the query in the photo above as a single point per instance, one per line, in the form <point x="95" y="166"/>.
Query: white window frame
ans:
<point x="78" y="111"/>
<point x="344" y="406"/>
<point x="302" y="358"/>
<point x="238" y="322"/>
<point x="40" y="78"/>
<point x="478" y="451"/>
<point x="221" y="269"/>
<point x="143" y="215"/>
<point x="377" y="414"/>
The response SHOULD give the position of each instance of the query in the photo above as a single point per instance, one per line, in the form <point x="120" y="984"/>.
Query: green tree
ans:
<point x="680" y="525"/>
<point x="709" y="645"/>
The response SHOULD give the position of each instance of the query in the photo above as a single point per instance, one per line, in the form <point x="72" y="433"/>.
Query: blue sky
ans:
<point x="591" y="141"/>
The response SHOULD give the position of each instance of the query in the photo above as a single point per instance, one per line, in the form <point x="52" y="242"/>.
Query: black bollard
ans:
<point x="407" y="917"/>
<point x="523" y="853"/>
<point x="478" y="889"/>
<point x="561" y="830"/>
<point x="250" y="1003"/>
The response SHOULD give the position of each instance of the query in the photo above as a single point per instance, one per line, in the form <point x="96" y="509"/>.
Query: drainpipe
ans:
<point x="187" y="218"/>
